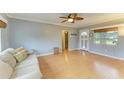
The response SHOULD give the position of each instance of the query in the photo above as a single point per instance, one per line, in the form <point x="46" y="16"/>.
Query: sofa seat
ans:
<point x="27" y="69"/>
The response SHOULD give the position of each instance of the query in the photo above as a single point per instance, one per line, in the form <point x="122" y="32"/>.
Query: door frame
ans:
<point x="63" y="40"/>
<point x="87" y="49"/>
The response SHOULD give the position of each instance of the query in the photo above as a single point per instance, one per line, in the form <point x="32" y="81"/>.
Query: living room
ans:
<point x="50" y="41"/>
<point x="61" y="46"/>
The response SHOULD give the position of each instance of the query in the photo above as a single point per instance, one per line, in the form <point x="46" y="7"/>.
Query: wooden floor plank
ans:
<point x="76" y="65"/>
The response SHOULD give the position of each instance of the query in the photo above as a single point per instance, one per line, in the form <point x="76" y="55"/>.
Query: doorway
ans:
<point x="84" y="41"/>
<point x="64" y="40"/>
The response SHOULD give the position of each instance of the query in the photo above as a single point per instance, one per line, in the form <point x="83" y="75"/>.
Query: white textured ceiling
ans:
<point x="53" y="18"/>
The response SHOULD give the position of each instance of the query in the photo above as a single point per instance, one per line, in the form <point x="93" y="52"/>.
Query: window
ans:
<point x="106" y="37"/>
<point x="97" y="38"/>
<point x="111" y="38"/>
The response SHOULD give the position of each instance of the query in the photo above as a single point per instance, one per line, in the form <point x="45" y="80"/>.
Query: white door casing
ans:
<point x="84" y="41"/>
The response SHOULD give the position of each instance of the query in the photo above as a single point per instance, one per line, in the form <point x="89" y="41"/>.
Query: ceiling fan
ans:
<point x="71" y="18"/>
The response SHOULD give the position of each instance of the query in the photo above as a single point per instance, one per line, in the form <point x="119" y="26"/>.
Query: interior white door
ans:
<point x="84" y="41"/>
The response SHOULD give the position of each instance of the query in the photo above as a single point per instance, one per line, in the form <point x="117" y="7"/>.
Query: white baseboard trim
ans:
<point x="73" y="49"/>
<point x="118" y="58"/>
<point x="83" y="49"/>
<point x="45" y="54"/>
<point x="51" y="53"/>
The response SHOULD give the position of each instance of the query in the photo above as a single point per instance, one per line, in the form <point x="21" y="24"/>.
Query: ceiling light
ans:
<point x="70" y="20"/>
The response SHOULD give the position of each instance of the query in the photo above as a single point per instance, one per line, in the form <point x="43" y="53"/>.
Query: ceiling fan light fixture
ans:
<point x="70" y="20"/>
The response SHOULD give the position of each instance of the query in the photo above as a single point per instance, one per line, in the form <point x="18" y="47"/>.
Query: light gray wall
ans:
<point x="115" y="51"/>
<point x="38" y="36"/>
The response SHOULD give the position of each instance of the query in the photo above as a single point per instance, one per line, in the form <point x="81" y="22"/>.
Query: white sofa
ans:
<point x="27" y="69"/>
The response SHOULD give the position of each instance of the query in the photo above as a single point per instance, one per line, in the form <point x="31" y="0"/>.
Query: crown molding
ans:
<point x="44" y="22"/>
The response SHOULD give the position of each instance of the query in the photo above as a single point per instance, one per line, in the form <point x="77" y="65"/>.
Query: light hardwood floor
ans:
<point x="76" y="65"/>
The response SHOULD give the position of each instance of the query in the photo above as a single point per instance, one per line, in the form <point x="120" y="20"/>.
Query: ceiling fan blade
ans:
<point x="79" y="18"/>
<point x="75" y="15"/>
<point x="63" y="21"/>
<point x="64" y="17"/>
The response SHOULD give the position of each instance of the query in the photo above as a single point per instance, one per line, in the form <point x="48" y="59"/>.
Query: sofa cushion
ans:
<point x="31" y="71"/>
<point x="9" y="50"/>
<point x="5" y="70"/>
<point x="29" y="68"/>
<point x="8" y="58"/>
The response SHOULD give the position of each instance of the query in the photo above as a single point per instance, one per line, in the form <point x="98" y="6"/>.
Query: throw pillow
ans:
<point x="20" y="56"/>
